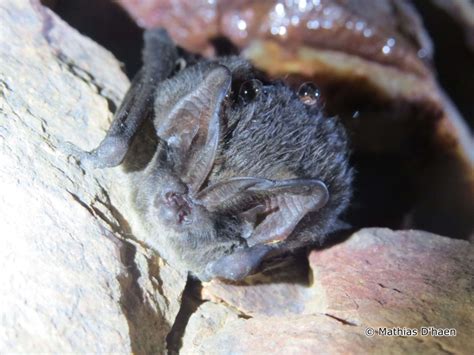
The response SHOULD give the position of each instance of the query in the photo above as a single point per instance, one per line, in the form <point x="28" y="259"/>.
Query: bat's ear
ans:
<point x="192" y="128"/>
<point x="247" y="188"/>
<point x="284" y="204"/>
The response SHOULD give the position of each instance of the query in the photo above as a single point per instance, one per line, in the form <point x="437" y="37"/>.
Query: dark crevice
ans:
<point x="453" y="57"/>
<point x="389" y="288"/>
<point x="343" y="321"/>
<point x="190" y="301"/>
<point x="82" y="203"/>
<point x="87" y="78"/>
<point x="147" y="326"/>
<point x="239" y="313"/>
<point x="155" y="277"/>
<point x="244" y="316"/>
<point x="123" y="226"/>
<point x="106" y="23"/>
<point x="224" y="46"/>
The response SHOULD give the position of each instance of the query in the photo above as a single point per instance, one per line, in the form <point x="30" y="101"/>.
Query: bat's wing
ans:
<point x="192" y="128"/>
<point x="159" y="57"/>
<point x="283" y="205"/>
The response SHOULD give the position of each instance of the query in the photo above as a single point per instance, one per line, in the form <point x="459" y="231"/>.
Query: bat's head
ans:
<point x="195" y="209"/>
<point x="171" y="196"/>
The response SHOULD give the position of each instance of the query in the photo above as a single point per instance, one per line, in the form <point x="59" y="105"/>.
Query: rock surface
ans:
<point x="75" y="279"/>
<point x="376" y="278"/>
<point x="71" y="280"/>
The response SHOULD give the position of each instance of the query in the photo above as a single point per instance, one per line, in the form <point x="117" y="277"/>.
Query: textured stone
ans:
<point x="359" y="27"/>
<point x="75" y="277"/>
<point x="376" y="278"/>
<point x="380" y="278"/>
<point x="72" y="279"/>
<point x="278" y="291"/>
<point x="306" y="334"/>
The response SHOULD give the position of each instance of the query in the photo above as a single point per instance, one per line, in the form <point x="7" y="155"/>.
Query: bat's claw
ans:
<point x="86" y="159"/>
<point x="238" y="265"/>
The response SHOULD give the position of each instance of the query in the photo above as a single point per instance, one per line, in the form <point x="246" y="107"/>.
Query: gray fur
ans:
<point x="275" y="136"/>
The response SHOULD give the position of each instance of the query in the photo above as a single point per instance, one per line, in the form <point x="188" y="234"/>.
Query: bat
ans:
<point x="244" y="167"/>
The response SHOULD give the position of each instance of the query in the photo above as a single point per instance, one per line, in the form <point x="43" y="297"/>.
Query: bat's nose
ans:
<point x="174" y="199"/>
<point x="173" y="207"/>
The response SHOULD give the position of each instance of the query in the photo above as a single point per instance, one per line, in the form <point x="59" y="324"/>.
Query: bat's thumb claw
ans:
<point x="238" y="265"/>
<point x="80" y="156"/>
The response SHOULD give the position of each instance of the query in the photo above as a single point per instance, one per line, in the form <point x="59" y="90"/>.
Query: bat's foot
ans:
<point x="238" y="265"/>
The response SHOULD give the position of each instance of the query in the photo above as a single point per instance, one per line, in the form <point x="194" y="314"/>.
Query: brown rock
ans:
<point x="306" y="334"/>
<point x="287" y="283"/>
<point x="386" y="31"/>
<point x="380" y="278"/>
<point x="377" y="278"/>
<point x="191" y="23"/>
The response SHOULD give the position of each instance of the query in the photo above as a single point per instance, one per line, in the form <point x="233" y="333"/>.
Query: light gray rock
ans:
<point x="73" y="278"/>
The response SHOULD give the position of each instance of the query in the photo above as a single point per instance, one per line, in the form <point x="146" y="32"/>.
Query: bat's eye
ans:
<point x="309" y="94"/>
<point x="250" y="89"/>
<point x="179" y="65"/>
